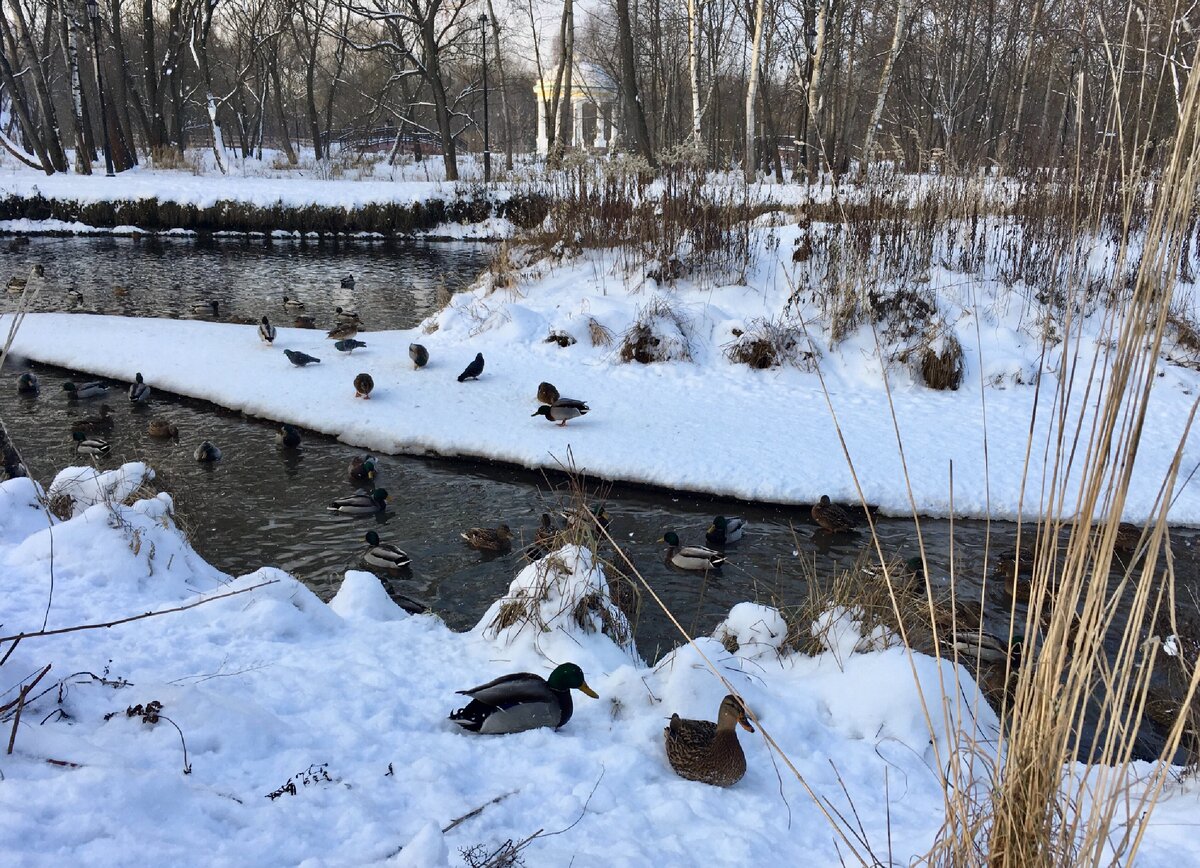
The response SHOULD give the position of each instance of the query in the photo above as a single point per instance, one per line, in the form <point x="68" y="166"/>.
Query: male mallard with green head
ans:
<point x="690" y="557"/>
<point x="383" y="555"/>
<point x="724" y="531"/>
<point x="93" y="447"/>
<point x="700" y="750"/>
<point x="362" y="468"/>
<point x="522" y="701"/>
<point x="361" y="503"/>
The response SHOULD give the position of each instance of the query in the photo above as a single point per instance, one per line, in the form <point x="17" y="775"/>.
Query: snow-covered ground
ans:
<point x="700" y="423"/>
<point x="348" y="702"/>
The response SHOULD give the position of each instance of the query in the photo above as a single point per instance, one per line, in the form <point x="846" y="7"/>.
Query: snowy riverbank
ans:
<point x="272" y="683"/>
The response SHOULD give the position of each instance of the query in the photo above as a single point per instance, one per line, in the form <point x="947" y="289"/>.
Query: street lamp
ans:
<point x="93" y="10"/>
<point x="487" y="141"/>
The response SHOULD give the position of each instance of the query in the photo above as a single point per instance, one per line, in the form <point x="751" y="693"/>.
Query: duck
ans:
<point x="347" y="282"/>
<point x="293" y="305"/>
<point x="347" y="316"/>
<point x="361" y="503"/>
<point x="832" y="517"/>
<point x="984" y="646"/>
<point x="74" y="297"/>
<point x="690" y="557"/>
<point x="522" y="701"/>
<point x="578" y="517"/>
<point x="543" y="538"/>
<point x="27" y="384"/>
<point x="362" y="468"/>
<point x="16" y="283"/>
<point x="300" y="359"/>
<point x="342" y="330"/>
<point x="266" y="331"/>
<point x="94" y="424"/>
<point x="419" y="355"/>
<point x="207" y="453"/>
<point x="700" y="750"/>
<point x="85" y="391"/>
<point x="205" y="308"/>
<point x="85" y="445"/>
<point x="384" y="555"/>
<point x="488" y="539"/>
<point x="160" y="427"/>
<point x="546" y="393"/>
<point x="724" y="531"/>
<point x="288" y="437"/>
<point x="348" y="345"/>
<point x="562" y="411"/>
<point x="120" y="291"/>
<point x="473" y="370"/>
<point x="304" y="321"/>
<point x="139" y="392"/>
<point x="363" y="384"/>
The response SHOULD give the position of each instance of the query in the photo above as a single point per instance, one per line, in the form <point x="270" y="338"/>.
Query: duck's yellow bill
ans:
<point x="583" y="688"/>
<point x="746" y="725"/>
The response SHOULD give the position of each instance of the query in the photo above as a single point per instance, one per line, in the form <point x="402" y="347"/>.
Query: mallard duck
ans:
<point x="93" y="446"/>
<point x="580" y="518"/>
<point x="74" y="297"/>
<point x="984" y="646"/>
<point x="95" y="424"/>
<point x="1127" y="539"/>
<point x="304" y="321"/>
<point x="361" y="503"/>
<point x="724" y="531"/>
<point x="419" y="355"/>
<point x="384" y="555"/>
<point x="27" y="384"/>
<point x="207" y="453"/>
<point x="522" y="701"/>
<point x="292" y="305"/>
<point x="162" y="428"/>
<point x="690" y="557"/>
<point x="204" y="307"/>
<point x="139" y="392"/>
<point x="362" y="468"/>
<point x="347" y="316"/>
<point x="546" y="393"/>
<point x="120" y="291"/>
<point x="266" y="331"/>
<point x="832" y="517"/>
<point x="700" y="750"/>
<point x="487" y="539"/>
<point x="473" y="370"/>
<point x="288" y="437"/>
<point x="342" y="330"/>
<point x="363" y="384"/>
<point x="348" y="345"/>
<point x="543" y="538"/>
<point x="562" y="411"/>
<point x="348" y="282"/>
<point x="85" y="391"/>
<point x="16" y="283"/>
<point x="300" y="359"/>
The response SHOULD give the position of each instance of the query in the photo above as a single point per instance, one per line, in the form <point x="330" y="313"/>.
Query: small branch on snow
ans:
<point x="20" y="703"/>
<point x="477" y="811"/>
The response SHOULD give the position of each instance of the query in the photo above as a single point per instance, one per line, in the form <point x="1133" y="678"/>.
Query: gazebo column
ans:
<point x="577" y="105"/>
<point x="543" y="144"/>
<point x="603" y="113"/>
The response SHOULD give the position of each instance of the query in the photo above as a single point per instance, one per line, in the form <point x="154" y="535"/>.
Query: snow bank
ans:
<point x="317" y="733"/>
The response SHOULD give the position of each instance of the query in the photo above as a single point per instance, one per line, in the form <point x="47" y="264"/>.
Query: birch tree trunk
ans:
<point x="566" y="117"/>
<point x="814" y="97"/>
<point x="68" y="26"/>
<point x="199" y="44"/>
<point x="903" y="10"/>
<point x="693" y="11"/>
<point x="751" y="166"/>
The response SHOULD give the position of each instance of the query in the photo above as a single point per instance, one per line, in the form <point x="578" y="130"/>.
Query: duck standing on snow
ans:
<point x="207" y="453"/>
<point x="419" y="355"/>
<point x="700" y="750"/>
<point x="95" y="424"/>
<point x="139" y="392"/>
<point x="473" y="370"/>
<point x="162" y="429"/>
<point x="487" y="539"/>
<point x="27" y="384"/>
<point x="300" y="359"/>
<point x="362" y="468"/>
<point x="522" y="701"/>
<point x="287" y="436"/>
<point x="17" y="283"/>
<point x="546" y="393"/>
<point x="832" y="517"/>
<point x="91" y="446"/>
<point x="292" y="305"/>
<point x="342" y="330"/>
<point x="266" y="331"/>
<point x="363" y="385"/>
<point x="562" y="411"/>
<point x="349" y="345"/>
<point x="724" y="531"/>
<point x="361" y="503"/>
<point x="348" y="282"/>
<point x="690" y="557"/>
<point x="384" y="555"/>
<point x="85" y="391"/>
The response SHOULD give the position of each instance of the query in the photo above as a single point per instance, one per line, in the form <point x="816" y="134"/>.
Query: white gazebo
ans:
<point x="589" y="85"/>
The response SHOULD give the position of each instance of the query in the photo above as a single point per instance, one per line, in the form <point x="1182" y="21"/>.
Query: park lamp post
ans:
<point x="487" y="142"/>
<point x="93" y="10"/>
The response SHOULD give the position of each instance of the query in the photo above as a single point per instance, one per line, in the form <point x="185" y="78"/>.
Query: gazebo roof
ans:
<point x="588" y="81"/>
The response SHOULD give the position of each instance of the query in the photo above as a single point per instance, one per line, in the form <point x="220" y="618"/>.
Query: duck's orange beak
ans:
<point x="583" y="688"/>
<point x="745" y="723"/>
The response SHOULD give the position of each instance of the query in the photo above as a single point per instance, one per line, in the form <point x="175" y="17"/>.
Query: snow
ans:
<point x="347" y="704"/>
<point x="86" y="486"/>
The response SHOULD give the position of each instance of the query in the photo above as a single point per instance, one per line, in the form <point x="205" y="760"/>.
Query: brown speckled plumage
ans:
<point x="700" y="750"/>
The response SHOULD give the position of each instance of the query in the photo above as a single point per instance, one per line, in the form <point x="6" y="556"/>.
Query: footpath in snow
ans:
<point x="347" y="703"/>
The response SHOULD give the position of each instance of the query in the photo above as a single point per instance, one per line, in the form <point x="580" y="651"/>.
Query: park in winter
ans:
<point x="510" y="432"/>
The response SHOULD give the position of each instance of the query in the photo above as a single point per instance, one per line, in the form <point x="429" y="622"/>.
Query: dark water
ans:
<point x="396" y="285"/>
<point x="261" y="505"/>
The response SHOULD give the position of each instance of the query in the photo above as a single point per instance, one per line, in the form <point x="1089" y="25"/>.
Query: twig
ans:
<point x="183" y="608"/>
<point x="20" y="701"/>
<point x="477" y="811"/>
<point x="8" y="653"/>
